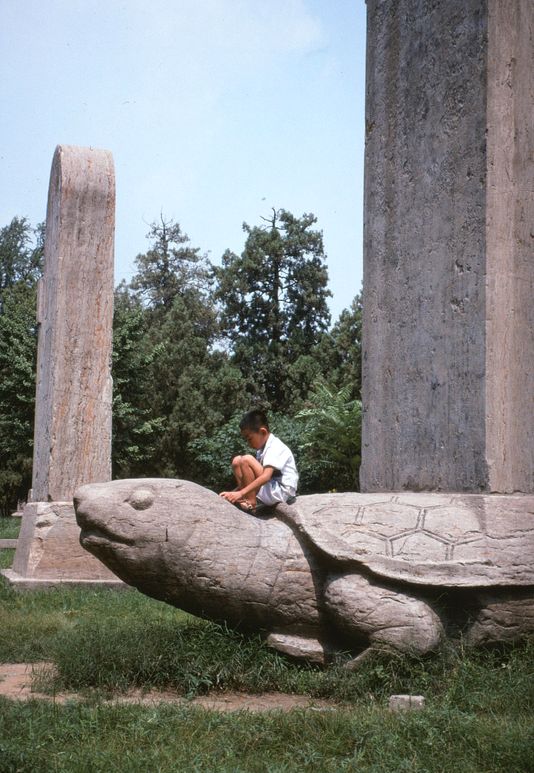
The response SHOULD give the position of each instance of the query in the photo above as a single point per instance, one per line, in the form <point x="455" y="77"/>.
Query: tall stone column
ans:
<point x="72" y="443"/>
<point x="448" y="321"/>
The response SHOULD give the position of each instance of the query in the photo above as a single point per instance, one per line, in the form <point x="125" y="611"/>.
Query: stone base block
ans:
<point x="8" y="543"/>
<point x="406" y="702"/>
<point x="48" y="551"/>
<point x="32" y="583"/>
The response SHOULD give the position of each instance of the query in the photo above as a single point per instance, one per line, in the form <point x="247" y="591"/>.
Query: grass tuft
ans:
<point x="6" y="558"/>
<point x="175" y="651"/>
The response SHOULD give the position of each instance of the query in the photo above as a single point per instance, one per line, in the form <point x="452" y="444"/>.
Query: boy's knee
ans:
<point x="237" y="461"/>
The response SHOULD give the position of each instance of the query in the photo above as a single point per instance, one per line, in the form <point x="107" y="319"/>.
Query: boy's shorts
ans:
<point x="272" y="493"/>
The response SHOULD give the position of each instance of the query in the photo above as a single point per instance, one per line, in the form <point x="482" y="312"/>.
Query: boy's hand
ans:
<point x="231" y="496"/>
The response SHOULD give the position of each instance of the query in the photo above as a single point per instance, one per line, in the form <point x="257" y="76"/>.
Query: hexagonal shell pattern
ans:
<point x="453" y="540"/>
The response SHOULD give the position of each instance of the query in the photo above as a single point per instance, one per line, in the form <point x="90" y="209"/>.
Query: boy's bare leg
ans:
<point x="246" y="469"/>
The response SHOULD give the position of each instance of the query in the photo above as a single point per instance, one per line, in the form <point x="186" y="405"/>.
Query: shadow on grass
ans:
<point x="114" y="641"/>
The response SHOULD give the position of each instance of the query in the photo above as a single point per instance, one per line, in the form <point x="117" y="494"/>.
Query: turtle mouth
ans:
<point x="94" y="531"/>
<point x="100" y="535"/>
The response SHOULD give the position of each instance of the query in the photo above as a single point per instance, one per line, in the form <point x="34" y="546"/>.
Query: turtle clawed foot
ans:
<point x="297" y="646"/>
<point x="355" y="663"/>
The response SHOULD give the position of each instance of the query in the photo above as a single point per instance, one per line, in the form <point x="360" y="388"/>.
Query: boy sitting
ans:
<point x="271" y="476"/>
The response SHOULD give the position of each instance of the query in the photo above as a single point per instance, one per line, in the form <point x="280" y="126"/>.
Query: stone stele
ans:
<point x="332" y="572"/>
<point x="72" y="442"/>
<point x="448" y="287"/>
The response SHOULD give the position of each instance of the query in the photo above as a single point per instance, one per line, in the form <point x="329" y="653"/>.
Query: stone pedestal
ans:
<point x="448" y="317"/>
<point x="49" y="551"/>
<point x="72" y="442"/>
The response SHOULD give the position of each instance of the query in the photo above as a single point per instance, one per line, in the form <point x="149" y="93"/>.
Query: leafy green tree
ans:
<point x="17" y="392"/>
<point x="301" y="376"/>
<point x="135" y="432"/>
<point x="212" y="453"/>
<point x="195" y="389"/>
<point x="170" y="267"/>
<point x="339" y="352"/>
<point x="330" y="450"/>
<point x="347" y="338"/>
<point x="21" y="250"/>
<point x="21" y="254"/>
<point x="274" y="301"/>
<point x="172" y="384"/>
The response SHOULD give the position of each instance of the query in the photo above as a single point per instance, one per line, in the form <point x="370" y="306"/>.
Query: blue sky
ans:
<point x="214" y="110"/>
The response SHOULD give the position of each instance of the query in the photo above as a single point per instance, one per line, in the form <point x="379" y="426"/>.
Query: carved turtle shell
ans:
<point x="449" y="540"/>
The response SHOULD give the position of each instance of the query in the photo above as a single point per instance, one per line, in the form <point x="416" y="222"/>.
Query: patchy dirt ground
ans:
<point x="16" y="683"/>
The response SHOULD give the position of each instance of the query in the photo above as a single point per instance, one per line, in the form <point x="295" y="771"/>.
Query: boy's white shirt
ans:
<point x="276" y="454"/>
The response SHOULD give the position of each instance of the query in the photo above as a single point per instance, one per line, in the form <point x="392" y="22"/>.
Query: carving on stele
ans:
<point x="356" y="572"/>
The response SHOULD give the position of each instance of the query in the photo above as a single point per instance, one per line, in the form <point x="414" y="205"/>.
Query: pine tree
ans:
<point x="170" y="267"/>
<point x="172" y="385"/>
<point x="274" y="301"/>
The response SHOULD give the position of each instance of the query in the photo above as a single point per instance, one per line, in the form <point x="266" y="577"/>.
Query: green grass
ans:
<point x="197" y="657"/>
<point x="479" y="711"/>
<point x="6" y="557"/>
<point x="34" y="623"/>
<point x="42" y="737"/>
<point x="9" y="528"/>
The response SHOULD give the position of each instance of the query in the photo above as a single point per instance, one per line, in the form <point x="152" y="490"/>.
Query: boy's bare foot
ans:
<point x="246" y="507"/>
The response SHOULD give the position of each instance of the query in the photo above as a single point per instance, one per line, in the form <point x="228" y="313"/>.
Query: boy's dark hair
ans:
<point x="254" y="420"/>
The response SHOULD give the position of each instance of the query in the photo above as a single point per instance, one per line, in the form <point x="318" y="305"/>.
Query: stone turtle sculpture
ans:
<point x="331" y="572"/>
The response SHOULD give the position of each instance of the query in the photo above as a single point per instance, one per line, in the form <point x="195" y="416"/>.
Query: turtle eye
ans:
<point x="141" y="499"/>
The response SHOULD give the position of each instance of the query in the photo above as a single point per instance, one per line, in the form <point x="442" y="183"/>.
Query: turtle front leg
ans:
<point x="305" y="647"/>
<point x="384" y="616"/>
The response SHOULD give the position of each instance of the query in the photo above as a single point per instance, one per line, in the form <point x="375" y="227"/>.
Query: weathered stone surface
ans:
<point x="388" y="617"/>
<point x="298" y="647"/>
<point x="333" y="570"/>
<point x="502" y="617"/>
<point x="448" y="318"/>
<point x="406" y="702"/>
<point x="8" y="543"/>
<point x="180" y="543"/>
<point x="49" y="550"/>
<point x="74" y="391"/>
<point x="452" y="540"/>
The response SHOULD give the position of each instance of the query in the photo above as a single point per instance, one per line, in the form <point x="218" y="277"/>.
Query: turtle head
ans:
<point x="122" y="512"/>
<point x="128" y="524"/>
